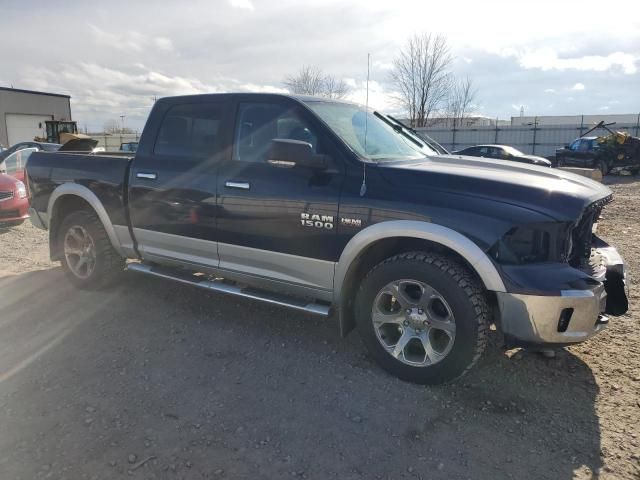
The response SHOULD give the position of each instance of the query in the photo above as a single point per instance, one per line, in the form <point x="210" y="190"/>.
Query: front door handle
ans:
<point x="240" y="185"/>
<point x="147" y="175"/>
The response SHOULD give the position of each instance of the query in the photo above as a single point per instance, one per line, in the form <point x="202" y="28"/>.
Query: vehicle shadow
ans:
<point x="199" y="383"/>
<point x="620" y="179"/>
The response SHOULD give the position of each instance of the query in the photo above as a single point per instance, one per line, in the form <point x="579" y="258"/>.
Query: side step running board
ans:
<point x="231" y="289"/>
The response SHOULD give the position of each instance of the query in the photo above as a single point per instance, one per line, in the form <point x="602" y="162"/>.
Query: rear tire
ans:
<point x="88" y="258"/>
<point x="421" y="304"/>
<point x="602" y="166"/>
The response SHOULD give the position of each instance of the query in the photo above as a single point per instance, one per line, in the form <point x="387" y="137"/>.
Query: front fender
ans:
<point x="439" y="234"/>
<point x="457" y="242"/>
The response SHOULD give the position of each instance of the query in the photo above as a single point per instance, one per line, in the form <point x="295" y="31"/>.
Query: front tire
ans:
<point x="423" y="317"/>
<point x="88" y="258"/>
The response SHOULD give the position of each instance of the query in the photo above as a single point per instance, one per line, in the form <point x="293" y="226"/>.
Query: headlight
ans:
<point x="533" y="243"/>
<point x="21" y="190"/>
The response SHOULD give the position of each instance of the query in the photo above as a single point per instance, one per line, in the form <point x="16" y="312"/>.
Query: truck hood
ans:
<point x="552" y="192"/>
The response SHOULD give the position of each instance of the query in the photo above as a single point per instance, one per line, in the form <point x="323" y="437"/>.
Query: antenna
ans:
<point x="363" y="188"/>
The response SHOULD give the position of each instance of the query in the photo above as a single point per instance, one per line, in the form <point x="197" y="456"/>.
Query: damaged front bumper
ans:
<point x="567" y="317"/>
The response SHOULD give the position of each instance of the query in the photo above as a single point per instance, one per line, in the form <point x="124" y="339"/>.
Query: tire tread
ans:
<point x="465" y="280"/>
<point x="112" y="262"/>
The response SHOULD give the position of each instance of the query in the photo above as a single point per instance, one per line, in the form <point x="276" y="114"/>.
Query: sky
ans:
<point x="113" y="58"/>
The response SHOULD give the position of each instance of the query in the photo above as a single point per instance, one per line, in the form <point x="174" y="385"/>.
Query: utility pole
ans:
<point x="535" y="131"/>
<point x="122" y="117"/>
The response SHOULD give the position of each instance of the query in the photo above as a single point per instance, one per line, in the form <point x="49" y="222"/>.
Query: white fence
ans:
<point x="537" y="140"/>
<point x="111" y="143"/>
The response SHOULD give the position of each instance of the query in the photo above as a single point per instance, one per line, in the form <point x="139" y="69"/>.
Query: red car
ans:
<point x="14" y="203"/>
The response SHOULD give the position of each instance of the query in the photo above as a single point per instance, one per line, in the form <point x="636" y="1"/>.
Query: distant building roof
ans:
<point x="33" y="92"/>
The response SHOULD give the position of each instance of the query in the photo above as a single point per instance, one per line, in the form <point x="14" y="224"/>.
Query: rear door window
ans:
<point x="191" y="131"/>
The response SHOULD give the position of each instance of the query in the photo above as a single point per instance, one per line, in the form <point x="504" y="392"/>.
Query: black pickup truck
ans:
<point x="326" y="207"/>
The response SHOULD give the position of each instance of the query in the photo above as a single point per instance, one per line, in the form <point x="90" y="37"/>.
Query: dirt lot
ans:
<point x="157" y="380"/>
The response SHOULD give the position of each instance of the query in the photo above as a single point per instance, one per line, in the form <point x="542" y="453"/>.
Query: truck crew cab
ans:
<point x="326" y="207"/>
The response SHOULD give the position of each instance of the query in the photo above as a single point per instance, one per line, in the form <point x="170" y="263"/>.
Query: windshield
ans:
<point x="384" y="141"/>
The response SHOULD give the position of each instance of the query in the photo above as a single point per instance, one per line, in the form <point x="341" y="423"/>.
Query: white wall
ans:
<point x="111" y="143"/>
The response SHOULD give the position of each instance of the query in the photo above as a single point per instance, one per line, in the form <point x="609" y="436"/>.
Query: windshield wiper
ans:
<point x="430" y="141"/>
<point x="398" y="128"/>
<point x="403" y="125"/>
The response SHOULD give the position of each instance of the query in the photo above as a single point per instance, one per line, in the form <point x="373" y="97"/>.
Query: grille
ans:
<point x="6" y="196"/>
<point x="583" y="232"/>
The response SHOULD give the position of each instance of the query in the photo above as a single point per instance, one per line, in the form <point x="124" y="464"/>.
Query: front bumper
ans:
<point x="14" y="210"/>
<point x="572" y="316"/>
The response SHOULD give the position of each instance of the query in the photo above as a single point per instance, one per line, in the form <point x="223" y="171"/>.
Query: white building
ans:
<point x="23" y="113"/>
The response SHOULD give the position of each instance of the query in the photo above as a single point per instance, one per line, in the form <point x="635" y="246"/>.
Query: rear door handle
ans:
<point x="147" y="175"/>
<point x="240" y="185"/>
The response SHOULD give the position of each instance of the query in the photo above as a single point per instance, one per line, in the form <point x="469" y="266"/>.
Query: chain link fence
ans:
<point x="532" y="139"/>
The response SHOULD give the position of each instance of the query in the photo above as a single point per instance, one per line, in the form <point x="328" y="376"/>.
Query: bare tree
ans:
<point x="461" y="101"/>
<point x="421" y="74"/>
<point x="335" y="88"/>
<point x="312" y="80"/>
<point x="111" y="126"/>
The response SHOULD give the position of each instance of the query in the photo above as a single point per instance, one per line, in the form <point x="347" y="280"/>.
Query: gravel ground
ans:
<point x="157" y="380"/>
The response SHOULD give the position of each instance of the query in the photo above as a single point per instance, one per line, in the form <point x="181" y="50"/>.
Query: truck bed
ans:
<point x="105" y="175"/>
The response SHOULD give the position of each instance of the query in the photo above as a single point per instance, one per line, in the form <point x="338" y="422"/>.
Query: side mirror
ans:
<point x="285" y="153"/>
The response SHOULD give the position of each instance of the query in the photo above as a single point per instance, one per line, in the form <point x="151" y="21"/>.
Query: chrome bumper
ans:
<point x="571" y="317"/>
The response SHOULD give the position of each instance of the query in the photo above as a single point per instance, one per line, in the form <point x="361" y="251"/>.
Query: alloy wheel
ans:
<point x="80" y="251"/>
<point x="413" y="322"/>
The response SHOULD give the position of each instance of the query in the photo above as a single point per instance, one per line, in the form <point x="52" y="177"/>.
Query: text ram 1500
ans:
<point x="324" y="207"/>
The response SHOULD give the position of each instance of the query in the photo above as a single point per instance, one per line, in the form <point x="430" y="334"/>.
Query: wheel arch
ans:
<point x="70" y="197"/>
<point x="383" y="240"/>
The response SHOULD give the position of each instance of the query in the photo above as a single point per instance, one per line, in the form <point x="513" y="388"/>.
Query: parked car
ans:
<point x="14" y="204"/>
<point x="503" y="152"/>
<point x="47" y="147"/>
<point x="129" y="147"/>
<point x="612" y="152"/>
<point x="15" y="163"/>
<point x="325" y="207"/>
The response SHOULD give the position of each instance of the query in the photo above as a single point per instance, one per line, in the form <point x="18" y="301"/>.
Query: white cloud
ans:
<point x="548" y="59"/>
<point x="549" y="90"/>
<point x="379" y="97"/>
<point x="578" y="87"/>
<point x="163" y="43"/>
<point x="253" y="87"/>
<point x="130" y="41"/>
<point x="246" y="4"/>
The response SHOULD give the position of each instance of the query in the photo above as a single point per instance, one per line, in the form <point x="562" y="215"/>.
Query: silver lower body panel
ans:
<point x="538" y="319"/>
